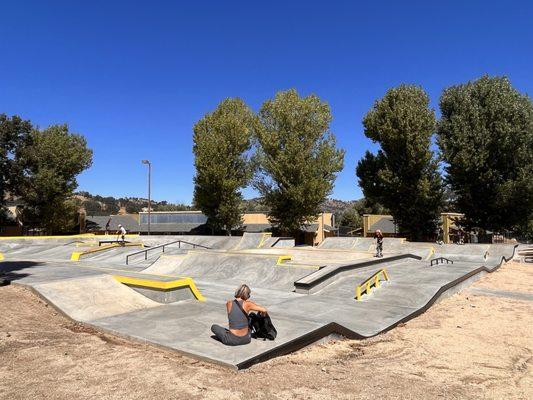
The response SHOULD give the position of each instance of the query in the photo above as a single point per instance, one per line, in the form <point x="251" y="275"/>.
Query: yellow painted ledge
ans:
<point x="164" y="285"/>
<point x="281" y="262"/>
<point x="87" y="244"/>
<point x="75" y="256"/>
<point x="282" y="259"/>
<point x="1" y="257"/>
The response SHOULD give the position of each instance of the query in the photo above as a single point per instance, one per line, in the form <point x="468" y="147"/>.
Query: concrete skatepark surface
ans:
<point x="87" y="292"/>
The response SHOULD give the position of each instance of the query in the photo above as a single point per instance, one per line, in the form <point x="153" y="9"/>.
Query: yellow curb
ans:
<point x="164" y="285"/>
<point x="75" y="256"/>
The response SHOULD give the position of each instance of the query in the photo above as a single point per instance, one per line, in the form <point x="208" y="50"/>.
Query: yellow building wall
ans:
<point x="448" y="221"/>
<point x="371" y="219"/>
<point x="255" y="218"/>
<point x="322" y="220"/>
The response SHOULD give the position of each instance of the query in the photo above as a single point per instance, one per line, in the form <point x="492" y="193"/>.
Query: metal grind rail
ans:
<point x="440" y="260"/>
<point x="366" y="286"/>
<point x="162" y="246"/>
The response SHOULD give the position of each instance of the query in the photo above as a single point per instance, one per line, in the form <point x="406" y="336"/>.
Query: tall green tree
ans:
<point x="51" y="161"/>
<point x="297" y="159"/>
<point x="222" y="141"/>
<point x="14" y="134"/>
<point x="403" y="176"/>
<point x="486" y="138"/>
<point x="350" y="217"/>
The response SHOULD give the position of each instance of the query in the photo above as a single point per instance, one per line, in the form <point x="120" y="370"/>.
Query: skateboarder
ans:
<point x="440" y="235"/>
<point x="122" y="233"/>
<point x="379" y="243"/>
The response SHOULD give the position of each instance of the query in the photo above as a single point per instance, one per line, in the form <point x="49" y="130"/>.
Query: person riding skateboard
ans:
<point x="379" y="243"/>
<point x="122" y="233"/>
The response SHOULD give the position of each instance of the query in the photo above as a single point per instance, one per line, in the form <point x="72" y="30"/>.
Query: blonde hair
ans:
<point x="243" y="292"/>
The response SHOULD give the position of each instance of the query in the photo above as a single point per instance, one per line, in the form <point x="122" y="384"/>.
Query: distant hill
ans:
<point x="331" y="205"/>
<point x="337" y="207"/>
<point x="99" y="205"/>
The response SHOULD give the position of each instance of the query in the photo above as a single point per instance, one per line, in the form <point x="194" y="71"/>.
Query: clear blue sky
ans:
<point x="134" y="77"/>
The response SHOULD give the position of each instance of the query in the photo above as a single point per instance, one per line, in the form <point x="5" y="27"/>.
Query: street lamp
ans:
<point x="149" y="191"/>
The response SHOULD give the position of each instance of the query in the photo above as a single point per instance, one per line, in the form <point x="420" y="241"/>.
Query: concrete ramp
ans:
<point x="232" y="269"/>
<point x="253" y="240"/>
<point x="85" y="299"/>
<point x="338" y="243"/>
<point x="325" y="302"/>
<point x="279" y="242"/>
<point x="165" y="265"/>
<point x="468" y="253"/>
<point x="212" y="242"/>
<point x="33" y="251"/>
<point x="365" y="244"/>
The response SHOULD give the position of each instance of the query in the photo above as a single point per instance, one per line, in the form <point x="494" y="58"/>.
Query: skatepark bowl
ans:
<point x="173" y="288"/>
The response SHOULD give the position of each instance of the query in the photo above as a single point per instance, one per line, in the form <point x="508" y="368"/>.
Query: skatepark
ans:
<point x="169" y="290"/>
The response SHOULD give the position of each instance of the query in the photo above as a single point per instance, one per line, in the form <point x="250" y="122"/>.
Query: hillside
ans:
<point x="331" y="205"/>
<point x="99" y="205"/>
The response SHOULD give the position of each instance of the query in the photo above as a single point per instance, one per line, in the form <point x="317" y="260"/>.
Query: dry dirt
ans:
<point x="469" y="346"/>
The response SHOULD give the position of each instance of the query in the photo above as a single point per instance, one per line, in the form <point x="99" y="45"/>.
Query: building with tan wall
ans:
<point x="385" y="223"/>
<point x="449" y="225"/>
<point x="194" y="222"/>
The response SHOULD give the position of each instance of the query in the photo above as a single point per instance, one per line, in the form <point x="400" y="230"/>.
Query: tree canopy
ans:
<point x="297" y="158"/>
<point x="486" y="139"/>
<point x="14" y="134"/>
<point x="51" y="163"/>
<point x="403" y="176"/>
<point x="222" y="140"/>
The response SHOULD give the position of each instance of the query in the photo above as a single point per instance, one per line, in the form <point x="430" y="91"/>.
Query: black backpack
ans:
<point x="261" y="327"/>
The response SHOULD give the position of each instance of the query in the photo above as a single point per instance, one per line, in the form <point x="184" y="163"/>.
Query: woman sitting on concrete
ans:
<point x="238" y="309"/>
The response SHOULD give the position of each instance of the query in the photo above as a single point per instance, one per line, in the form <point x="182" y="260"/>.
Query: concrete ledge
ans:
<point x="159" y="288"/>
<point x="76" y="255"/>
<point x="317" y="280"/>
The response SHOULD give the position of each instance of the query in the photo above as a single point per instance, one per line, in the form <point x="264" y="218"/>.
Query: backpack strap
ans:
<point x="242" y="309"/>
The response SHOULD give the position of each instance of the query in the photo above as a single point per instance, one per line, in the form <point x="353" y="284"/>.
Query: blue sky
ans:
<point x="134" y="77"/>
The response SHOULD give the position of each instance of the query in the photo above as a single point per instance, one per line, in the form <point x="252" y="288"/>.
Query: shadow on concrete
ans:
<point x="8" y="269"/>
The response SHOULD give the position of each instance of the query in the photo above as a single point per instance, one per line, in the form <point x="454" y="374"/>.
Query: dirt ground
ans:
<point x="469" y="346"/>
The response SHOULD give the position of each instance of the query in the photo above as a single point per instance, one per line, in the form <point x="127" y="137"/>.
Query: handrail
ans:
<point x="194" y="245"/>
<point x="441" y="259"/>
<point x="367" y="284"/>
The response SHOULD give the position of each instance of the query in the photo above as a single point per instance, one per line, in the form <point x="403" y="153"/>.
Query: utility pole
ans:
<point x="147" y="162"/>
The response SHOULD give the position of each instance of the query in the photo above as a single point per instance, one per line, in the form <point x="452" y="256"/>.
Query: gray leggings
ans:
<point x="228" y="338"/>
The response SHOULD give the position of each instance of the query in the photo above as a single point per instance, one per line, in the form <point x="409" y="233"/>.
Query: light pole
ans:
<point x="149" y="190"/>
